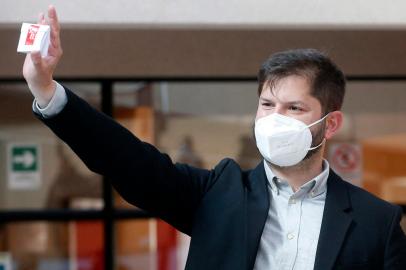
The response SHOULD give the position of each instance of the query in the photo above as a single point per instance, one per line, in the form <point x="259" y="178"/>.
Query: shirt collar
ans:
<point x="315" y="186"/>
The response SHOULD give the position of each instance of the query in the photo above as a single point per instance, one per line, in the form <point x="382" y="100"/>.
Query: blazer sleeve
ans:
<point x="395" y="251"/>
<point x="138" y="171"/>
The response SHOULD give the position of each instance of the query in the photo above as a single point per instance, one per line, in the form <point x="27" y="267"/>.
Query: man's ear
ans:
<point x="334" y="122"/>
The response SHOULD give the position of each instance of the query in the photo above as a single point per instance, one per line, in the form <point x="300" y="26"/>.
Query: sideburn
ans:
<point x="317" y="139"/>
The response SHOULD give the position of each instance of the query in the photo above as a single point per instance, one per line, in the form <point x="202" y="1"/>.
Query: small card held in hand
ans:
<point x="34" y="37"/>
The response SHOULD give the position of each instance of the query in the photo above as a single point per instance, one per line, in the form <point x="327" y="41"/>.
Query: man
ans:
<point x="290" y="212"/>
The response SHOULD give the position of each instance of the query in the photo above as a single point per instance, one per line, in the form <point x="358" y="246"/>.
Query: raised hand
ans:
<point x="38" y="71"/>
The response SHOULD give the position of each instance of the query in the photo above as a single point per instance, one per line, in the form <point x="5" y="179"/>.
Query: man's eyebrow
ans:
<point x="266" y="99"/>
<point x="286" y="103"/>
<point x="295" y="102"/>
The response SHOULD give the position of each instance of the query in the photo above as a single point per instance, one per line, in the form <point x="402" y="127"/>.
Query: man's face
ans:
<point x="290" y="97"/>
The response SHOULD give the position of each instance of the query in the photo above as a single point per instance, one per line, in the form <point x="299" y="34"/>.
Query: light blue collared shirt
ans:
<point x="292" y="229"/>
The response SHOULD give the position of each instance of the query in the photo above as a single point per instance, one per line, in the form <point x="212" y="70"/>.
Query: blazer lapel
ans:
<point x="257" y="202"/>
<point x="335" y="223"/>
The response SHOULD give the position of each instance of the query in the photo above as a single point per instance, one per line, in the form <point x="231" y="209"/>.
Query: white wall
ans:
<point x="319" y="13"/>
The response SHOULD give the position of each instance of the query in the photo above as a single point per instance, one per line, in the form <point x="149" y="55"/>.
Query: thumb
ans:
<point x="36" y="58"/>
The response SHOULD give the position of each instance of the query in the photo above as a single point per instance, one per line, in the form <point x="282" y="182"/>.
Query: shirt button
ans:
<point x="292" y="201"/>
<point x="291" y="236"/>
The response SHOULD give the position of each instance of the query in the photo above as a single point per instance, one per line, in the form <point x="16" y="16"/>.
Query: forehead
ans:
<point x="288" y="88"/>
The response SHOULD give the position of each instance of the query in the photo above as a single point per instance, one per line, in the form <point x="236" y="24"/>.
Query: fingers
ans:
<point x="53" y="18"/>
<point x="41" y="18"/>
<point x="55" y="27"/>
<point x="36" y="58"/>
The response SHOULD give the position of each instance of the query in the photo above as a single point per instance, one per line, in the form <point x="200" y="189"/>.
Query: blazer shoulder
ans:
<point x="226" y="164"/>
<point x="225" y="171"/>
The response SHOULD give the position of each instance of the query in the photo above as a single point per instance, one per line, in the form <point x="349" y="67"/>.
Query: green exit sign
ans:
<point x="24" y="166"/>
<point x="24" y="159"/>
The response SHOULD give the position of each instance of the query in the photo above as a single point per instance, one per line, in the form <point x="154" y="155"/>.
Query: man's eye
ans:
<point x="266" y="104"/>
<point x="295" y="108"/>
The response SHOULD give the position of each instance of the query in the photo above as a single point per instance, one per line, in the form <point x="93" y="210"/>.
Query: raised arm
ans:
<point x="139" y="172"/>
<point x="38" y="71"/>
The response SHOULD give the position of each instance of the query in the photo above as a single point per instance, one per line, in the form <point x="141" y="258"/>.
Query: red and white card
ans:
<point x="34" y="37"/>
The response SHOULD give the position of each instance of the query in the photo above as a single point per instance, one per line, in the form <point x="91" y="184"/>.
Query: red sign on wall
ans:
<point x="346" y="160"/>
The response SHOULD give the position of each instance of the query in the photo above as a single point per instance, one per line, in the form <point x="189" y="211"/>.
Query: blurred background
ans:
<point x="182" y="75"/>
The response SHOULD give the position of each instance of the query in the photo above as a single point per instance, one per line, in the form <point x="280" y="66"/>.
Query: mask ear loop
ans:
<point x="315" y="147"/>
<point x="318" y="121"/>
<point x="324" y="139"/>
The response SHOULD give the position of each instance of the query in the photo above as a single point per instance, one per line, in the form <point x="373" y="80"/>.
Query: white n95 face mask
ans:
<point x="282" y="140"/>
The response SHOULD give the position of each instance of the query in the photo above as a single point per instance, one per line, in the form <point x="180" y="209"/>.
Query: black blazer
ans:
<point x="224" y="209"/>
